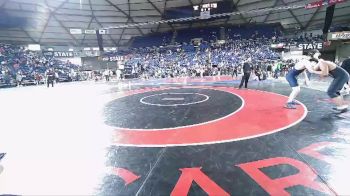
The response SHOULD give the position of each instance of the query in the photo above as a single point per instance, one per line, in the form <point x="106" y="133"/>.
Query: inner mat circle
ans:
<point x="129" y="112"/>
<point x="174" y="99"/>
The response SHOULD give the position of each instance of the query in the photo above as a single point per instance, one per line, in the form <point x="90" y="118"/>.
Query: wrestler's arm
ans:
<point x="307" y="79"/>
<point x="309" y="66"/>
<point x="322" y="66"/>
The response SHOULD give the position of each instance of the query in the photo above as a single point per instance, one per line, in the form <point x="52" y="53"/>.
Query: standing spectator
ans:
<point x="235" y="72"/>
<point x="50" y="77"/>
<point x="258" y="72"/>
<point x="37" y="78"/>
<point x="19" y="78"/>
<point x="56" y="76"/>
<point x="201" y="72"/>
<point x="134" y="72"/>
<point x="106" y="73"/>
<point x="269" y="70"/>
<point x="7" y="77"/>
<point x="119" y="74"/>
<point x="277" y="69"/>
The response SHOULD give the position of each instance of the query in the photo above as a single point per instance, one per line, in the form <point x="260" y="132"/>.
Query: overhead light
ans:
<point x="87" y="49"/>
<point x="71" y="49"/>
<point x="50" y="49"/>
<point x="95" y="49"/>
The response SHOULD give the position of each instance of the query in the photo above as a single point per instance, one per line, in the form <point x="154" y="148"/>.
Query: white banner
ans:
<point x="113" y="58"/>
<point x="90" y="31"/>
<point x="76" y="31"/>
<point x="63" y="54"/>
<point x="310" y="46"/>
<point x="340" y="35"/>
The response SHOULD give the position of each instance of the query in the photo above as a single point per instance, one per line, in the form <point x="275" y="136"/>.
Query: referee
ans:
<point x="247" y="68"/>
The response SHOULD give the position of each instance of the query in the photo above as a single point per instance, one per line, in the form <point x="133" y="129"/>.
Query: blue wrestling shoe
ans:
<point x="290" y="105"/>
<point x="295" y="102"/>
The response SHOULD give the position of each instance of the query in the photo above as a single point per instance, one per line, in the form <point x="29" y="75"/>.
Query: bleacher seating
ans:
<point x="18" y="63"/>
<point x="157" y="39"/>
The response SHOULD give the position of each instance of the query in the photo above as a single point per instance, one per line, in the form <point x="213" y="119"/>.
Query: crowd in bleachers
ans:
<point x="183" y="57"/>
<point x="170" y="54"/>
<point x="204" y="59"/>
<point x="19" y="66"/>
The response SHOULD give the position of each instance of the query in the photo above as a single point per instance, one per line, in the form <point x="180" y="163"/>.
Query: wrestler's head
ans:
<point x="315" y="54"/>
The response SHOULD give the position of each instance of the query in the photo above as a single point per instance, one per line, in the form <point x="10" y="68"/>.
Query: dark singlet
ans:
<point x="346" y="65"/>
<point x="333" y="73"/>
<point x="337" y="72"/>
<point x="340" y="78"/>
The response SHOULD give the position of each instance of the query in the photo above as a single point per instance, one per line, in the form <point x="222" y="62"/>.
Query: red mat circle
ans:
<point x="262" y="114"/>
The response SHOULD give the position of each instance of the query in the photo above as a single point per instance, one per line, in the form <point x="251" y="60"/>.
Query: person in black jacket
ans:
<point x="247" y="68"/>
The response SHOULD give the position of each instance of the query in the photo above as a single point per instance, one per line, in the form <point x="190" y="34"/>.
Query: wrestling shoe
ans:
<point x="290" y="105"/>
<point x="295" y="102"/>
<point x="341" y="109"/>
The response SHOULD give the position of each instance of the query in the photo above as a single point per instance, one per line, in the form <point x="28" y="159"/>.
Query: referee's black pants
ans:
<point x="245" y="79"/>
